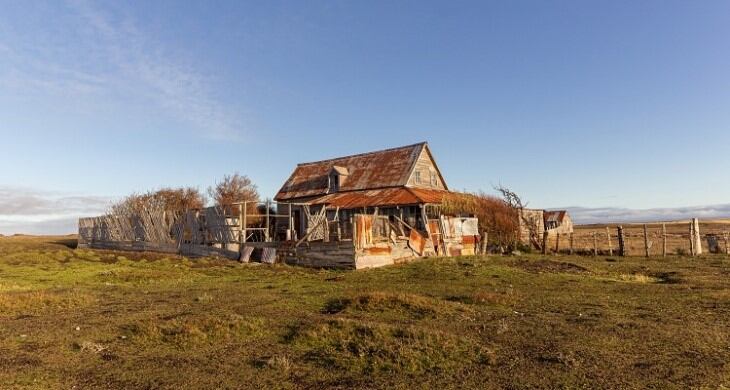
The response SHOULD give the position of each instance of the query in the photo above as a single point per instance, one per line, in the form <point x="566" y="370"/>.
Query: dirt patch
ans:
<point x="549" y="266"/>
<point x="484" y="297"/>
<point x="667" y="277"/>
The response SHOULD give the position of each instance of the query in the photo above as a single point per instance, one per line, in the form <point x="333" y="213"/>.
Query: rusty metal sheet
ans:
<point x="469" y="239"/>
<point x="378" y="251"/>
<point x="364" y="233"/>
<point x="426" y="195"/>
<point x="417" y="242"/>
<point x="553" y="216"/>
<point x="385" y="168"/>
<point x="383" y="197"/>
<point x="469" y="226"/>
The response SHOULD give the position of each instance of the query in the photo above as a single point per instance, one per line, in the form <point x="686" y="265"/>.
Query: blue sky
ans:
<point x="614" y="104"/>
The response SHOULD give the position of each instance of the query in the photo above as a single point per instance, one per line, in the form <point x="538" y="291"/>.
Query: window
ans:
<point x="434" y="179"/>
<point x="417" y="177"/>
<point x="334" y="183"/>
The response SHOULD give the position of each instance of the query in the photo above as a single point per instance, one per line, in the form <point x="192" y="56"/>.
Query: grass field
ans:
<point x="88" y="320"/>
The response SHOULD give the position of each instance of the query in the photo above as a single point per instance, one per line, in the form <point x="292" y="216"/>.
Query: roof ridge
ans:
<point x="363" y="154"/>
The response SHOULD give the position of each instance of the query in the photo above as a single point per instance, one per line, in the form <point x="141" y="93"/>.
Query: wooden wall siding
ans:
<point x="534" y="218"/>
<point x="425" y="166"/>
<point x="397" y="252"/>
<point x="343" y="255"/>
<point x="323" y="255"/>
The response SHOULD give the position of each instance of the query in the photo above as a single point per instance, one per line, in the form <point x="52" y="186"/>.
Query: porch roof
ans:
<point x="383" y="197"/>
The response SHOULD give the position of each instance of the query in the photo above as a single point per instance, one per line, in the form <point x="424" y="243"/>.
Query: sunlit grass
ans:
<point x="98" y="319"/>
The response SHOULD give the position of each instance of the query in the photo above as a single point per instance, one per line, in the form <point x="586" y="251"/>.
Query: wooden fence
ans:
<point x="653" y="239"/>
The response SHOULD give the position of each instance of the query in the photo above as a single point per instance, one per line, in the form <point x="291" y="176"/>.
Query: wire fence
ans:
<point x="655" y="239"/>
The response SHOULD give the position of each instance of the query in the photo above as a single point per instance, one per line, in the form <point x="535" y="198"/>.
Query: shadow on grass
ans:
<point x="70" y="243"/>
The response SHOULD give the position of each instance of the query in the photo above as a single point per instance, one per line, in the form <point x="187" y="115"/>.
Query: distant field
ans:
<point x="677" y="236"/>
<point x="102" y="320"/>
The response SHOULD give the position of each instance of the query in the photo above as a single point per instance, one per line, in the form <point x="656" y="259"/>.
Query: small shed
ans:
<point x="558" y="221"/>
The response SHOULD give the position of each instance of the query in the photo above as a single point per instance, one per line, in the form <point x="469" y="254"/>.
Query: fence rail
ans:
<point x="657" y="239"/>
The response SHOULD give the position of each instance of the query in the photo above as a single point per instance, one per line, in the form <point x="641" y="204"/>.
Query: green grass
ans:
<point x="98" y="319"/>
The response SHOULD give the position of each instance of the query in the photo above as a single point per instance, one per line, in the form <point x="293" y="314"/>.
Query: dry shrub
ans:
<point x="170" y="199"/>
<point x="180" y="199"/>
<point x="496" y="216"/>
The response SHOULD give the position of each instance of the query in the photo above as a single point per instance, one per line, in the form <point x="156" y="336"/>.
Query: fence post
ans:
<point x="595" y="244"/>
<point x="557" y="243"/>
<point x="646" y="241"/>
<point x="544" y="242"/>
<point x="727" y="248"/>
<point x="697" y="236"/>
<point x="664" y="240"/>
<point x="245" y="223"/>
<point x="571" y="242"/>
<point x="240" y="223"/>
<point x="621" y="243"/>
<point x="266" y="238"/>
<point x="485" y="242"/>
<point x="691" y="239"/>
<point x="608" y="237"/>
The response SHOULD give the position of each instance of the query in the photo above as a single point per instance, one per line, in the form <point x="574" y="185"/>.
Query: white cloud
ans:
<point x="584" y="215"/>
<point x="33" y="211"/>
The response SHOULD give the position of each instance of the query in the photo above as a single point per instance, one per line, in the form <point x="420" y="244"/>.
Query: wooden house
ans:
<point x="398" y="182"/>
<point x="372" y="209"/>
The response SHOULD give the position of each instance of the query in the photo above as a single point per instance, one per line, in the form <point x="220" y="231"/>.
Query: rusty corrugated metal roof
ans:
<point x="555" y="215"/>
<point x="380" y="169"/>
<point x="384" y="197"/>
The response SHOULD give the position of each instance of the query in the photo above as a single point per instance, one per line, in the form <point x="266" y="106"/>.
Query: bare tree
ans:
<point x="529" y="221"/>
<point x="233" y="189"/>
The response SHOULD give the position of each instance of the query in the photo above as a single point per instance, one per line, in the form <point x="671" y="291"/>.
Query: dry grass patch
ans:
<point x="186" y="330"/>
<point x="548" y="266"/>
<point x="638" y="278"/>
<point x="33" y="302"/>
<point x="404" y="305"/>
<point x="365" y="349"/>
